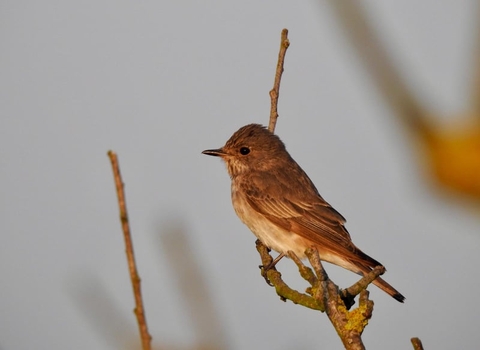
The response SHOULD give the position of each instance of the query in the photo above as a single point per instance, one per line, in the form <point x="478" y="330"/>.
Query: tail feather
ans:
<point x="387" y="288"/>
<point x="366" y="266"/>
<point x="361" y="264"/>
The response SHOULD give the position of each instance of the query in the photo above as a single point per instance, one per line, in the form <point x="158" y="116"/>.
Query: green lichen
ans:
<point x="356" y="320"/>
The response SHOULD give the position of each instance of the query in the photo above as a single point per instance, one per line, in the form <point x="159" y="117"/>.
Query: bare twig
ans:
<point x="417" y="344"/>
<point x="275" y="92"/>
<point x="137" y="293"/>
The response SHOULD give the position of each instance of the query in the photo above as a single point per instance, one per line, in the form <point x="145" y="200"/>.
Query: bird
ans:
<point x="277" y="201"/>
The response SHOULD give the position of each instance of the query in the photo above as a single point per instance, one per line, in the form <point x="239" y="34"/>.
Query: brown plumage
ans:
<point x="279" y="203"/>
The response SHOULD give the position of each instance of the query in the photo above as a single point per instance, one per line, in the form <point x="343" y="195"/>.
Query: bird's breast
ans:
<point x="273" y="236"/>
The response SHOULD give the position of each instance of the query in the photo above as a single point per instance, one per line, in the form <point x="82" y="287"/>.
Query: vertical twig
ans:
<point x="137" y="293"/>
<point x="274" y="93"/>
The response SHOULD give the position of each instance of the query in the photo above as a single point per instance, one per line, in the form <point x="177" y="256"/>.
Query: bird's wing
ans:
<point x="304" y="212"/>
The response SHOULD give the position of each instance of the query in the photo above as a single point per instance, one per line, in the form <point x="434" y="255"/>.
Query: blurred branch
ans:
<point x="95" y="303"/>
<point x="394" y="90"/>
<point x="451" y="153"/>
<point x="475" y="89"/>
<point x="135" y="278"/>
<point x="193" y="288"/>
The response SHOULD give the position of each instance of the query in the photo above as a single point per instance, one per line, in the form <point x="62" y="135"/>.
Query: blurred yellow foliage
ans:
<point x="453" y="154"/>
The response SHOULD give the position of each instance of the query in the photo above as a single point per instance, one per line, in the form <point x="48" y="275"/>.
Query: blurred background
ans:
<point x="379" y="104"/>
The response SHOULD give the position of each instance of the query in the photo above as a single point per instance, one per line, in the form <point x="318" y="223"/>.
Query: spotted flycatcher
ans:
<point x="278" y="202"/>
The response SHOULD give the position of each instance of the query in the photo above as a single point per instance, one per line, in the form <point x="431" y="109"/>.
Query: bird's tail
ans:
<point x="364" y="264"/>
<point x="387" y="288"/>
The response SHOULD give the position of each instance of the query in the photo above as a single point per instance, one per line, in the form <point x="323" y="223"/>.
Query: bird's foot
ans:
<point x="263" y="272"/>
<point x="264" y="269"/>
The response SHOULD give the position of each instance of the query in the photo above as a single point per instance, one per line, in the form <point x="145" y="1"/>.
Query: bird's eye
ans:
<point x="244" y="151"/>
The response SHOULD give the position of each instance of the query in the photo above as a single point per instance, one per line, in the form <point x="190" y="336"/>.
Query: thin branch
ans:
<point x="137" y="293"/>
<point x="275" y="92"/>
<point x="417" y="344"/>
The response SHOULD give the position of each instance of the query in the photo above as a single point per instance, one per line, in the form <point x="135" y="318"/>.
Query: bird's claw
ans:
<point x="263" y="272"/>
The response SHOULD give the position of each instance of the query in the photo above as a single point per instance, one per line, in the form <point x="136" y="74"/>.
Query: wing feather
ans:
<point x="304" y="212"/>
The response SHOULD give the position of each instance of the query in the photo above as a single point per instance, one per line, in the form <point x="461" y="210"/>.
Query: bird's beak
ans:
<point x="215" y="152"/>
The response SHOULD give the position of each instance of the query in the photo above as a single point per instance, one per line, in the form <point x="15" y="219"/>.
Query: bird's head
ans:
<point x="252" y="147"/>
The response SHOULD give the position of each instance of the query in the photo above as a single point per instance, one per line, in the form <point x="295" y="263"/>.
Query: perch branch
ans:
<point x="135" y="278"/>
<point x="325" y="296"/>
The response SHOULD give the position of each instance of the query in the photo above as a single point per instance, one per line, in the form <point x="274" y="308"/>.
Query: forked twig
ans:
<point x="135" y="278"/>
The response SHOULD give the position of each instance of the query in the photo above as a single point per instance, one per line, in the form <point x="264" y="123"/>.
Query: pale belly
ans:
<point x="270" y="234"/>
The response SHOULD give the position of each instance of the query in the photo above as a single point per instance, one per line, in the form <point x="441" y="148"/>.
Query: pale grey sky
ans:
<point x="158" y="82"/>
